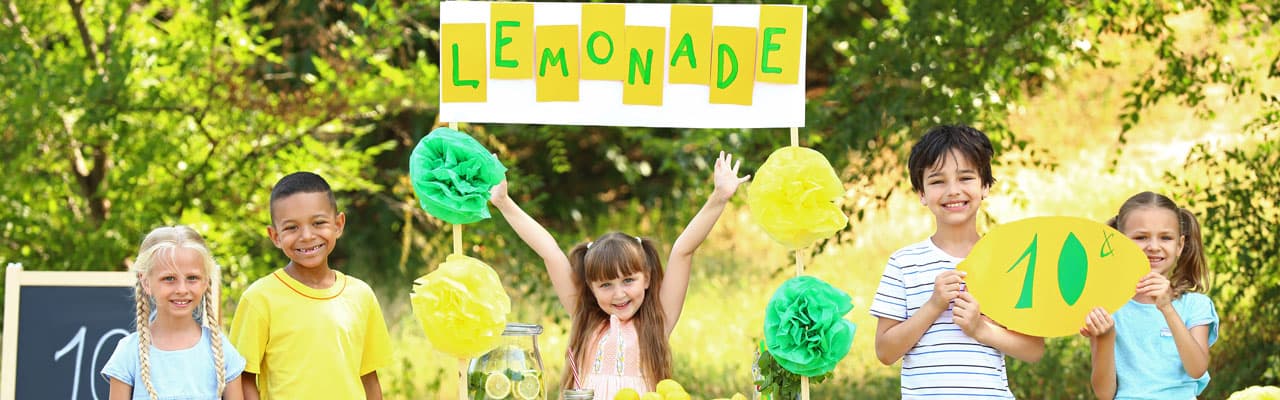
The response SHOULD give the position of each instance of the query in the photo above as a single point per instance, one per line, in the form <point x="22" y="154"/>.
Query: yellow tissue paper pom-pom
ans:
<point x="792" y="197"/>
<point x="462" y="306"/>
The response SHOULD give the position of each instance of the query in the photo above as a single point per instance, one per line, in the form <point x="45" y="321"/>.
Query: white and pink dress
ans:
<point x="615" y="360"/>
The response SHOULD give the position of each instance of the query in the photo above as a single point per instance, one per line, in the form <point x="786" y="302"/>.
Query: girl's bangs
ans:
<point x="612" y="263"/>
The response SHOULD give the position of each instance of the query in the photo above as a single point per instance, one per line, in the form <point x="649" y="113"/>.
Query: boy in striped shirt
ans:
<point x="949" y="350"/>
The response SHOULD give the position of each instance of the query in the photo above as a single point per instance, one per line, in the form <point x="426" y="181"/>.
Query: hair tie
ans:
<point x="638" y="240"/>
<point x="589" y="245"/>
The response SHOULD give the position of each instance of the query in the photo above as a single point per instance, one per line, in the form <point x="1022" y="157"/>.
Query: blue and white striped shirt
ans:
<point x="945" y="363"/>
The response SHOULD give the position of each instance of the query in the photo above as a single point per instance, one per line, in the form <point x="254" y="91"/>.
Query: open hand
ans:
<point x="1097" y="324"/>
<point x="1155" y="288"/>
<point x="726" y="175"/>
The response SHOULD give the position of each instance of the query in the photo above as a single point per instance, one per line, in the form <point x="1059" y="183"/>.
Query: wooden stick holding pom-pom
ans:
<point x="804" y="380"/>
<point x="457" y="249"/>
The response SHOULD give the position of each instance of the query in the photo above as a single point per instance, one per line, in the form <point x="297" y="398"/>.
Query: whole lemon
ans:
<point x="651" y="396"/>
<point x="627" y="394"/>
<point x="666" y="386"/>
<point x="738" y="396"/>
<point x="677" y="395"/>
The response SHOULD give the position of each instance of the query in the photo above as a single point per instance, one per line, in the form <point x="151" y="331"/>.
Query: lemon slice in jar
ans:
<point x="497" y="386"/>
<point x="529" y="388"/>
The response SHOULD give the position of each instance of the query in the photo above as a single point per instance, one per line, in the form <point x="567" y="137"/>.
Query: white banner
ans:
<point x="657" y="65"/>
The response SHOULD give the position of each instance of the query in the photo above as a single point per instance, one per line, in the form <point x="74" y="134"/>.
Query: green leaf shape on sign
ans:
<point x="1073" y="269"/>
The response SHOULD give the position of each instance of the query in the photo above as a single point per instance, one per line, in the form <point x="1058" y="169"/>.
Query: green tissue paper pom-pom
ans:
<point x="804" y="326"/>
<point x="451" y="174"/>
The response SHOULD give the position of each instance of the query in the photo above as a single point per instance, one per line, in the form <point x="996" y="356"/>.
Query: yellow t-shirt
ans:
<point x="307" y="343"/>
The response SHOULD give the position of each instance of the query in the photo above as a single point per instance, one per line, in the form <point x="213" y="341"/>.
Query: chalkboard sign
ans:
<point x="59" y="330"/>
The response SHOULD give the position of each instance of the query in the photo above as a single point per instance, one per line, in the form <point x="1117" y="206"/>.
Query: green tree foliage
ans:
<point x="1239" y="210"/>
<point x="120" y="116"/>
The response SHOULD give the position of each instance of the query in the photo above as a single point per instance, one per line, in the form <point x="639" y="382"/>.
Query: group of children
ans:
<point x="307" y="331"/>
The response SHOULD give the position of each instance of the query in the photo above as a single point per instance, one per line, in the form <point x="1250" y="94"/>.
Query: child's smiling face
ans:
<point x="306" y="228"/>
<point x="177" y="282"/>
<point x="622" y="296"/>
<point x="953" y="190"/>
<point x="1155" y="230"/>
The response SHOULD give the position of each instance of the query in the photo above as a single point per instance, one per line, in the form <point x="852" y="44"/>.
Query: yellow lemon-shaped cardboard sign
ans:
<point x="792" y="197"/>
<point x="1041" y="276"/>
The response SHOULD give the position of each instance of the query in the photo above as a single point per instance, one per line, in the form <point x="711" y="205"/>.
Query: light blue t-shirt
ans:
<point x="186" y="374"/>
<point x="1147" y="362"/>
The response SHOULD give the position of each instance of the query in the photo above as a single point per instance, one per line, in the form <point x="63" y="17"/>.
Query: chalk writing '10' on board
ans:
<point x="60" y="329"/>
<point x="1041" y="276"/>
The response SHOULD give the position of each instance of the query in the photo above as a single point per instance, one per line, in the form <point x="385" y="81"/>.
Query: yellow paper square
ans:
<point x="781" y="28"/>
<point x="733" y="64"/>
<point x="644" y="65"/>
<point x="690" y="44"/>
<point x="603" y="57"/>
<point x="462" y="64"/>
<point x="511" y="40"/>
<point x="557" y="63"/>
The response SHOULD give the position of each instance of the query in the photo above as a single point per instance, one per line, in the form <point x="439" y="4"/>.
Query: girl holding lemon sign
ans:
<point x="1157" y="345"/>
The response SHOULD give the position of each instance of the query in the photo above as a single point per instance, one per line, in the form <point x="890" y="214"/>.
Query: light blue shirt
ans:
<point x="186" y="374"/>
<point x="1147" y="362"/>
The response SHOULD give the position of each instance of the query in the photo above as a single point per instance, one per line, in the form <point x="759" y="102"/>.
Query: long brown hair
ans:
<point x="162" y="243"/>
<point x="1190" y="273"/>
<point x="612" y="256"/>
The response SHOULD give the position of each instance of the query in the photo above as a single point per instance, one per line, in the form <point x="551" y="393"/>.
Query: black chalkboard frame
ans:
<point x="15" y="279"/>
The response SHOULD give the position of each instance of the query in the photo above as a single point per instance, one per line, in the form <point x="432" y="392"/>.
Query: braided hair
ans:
<point x="162" y="243"/>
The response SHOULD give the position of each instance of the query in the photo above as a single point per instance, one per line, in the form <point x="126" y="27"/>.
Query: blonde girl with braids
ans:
<point x="622" y="303"/>
<point x="178" y="351"/>
<point x="1157" y="345"/>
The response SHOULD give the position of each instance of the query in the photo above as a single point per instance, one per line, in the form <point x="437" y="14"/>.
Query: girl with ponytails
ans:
<point x="178" y="350"/>
<point x="1156" y="346"/>
<point x="622" y="303"/>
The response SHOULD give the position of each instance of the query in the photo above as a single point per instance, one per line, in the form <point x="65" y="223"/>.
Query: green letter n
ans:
<point x="645" y="67"/>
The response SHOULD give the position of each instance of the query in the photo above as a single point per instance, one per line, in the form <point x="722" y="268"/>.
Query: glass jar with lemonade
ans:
<point x="513" y="370"/>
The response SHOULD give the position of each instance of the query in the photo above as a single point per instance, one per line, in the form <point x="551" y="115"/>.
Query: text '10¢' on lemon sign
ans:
<point x="1041" y="276"/>
<point x="660" y="65"/>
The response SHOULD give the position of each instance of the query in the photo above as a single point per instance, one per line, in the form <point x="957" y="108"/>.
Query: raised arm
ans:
<point x="537" y="237"/>
<point x="675" y="284"/>
<point x="966" y="314"/>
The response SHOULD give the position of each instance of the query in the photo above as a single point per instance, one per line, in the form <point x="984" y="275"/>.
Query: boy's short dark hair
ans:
<point x="939" y="141"/>
<point x="300" y="182"/>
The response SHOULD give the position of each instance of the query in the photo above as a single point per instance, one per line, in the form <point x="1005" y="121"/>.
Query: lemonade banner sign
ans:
<point x="1041" y="276"/>
<point x="658" y="65"/>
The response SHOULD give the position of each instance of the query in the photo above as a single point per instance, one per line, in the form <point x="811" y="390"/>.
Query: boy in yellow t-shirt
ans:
<point x="307" y="331"/>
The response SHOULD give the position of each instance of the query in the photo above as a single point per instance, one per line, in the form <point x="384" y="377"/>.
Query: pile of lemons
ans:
<point x="667" y="389"/>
